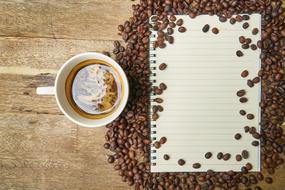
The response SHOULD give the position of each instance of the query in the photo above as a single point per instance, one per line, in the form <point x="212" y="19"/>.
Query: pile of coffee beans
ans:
<point x="128" y="137"/>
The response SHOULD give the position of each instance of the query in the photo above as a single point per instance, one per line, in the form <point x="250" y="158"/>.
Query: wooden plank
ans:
<point x="50" y="152"/>
<point x="86" y="19"/>
<point x="42" y="53"/>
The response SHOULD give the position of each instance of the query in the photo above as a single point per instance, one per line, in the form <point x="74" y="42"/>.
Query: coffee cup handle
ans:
<point x="49" y="90"/>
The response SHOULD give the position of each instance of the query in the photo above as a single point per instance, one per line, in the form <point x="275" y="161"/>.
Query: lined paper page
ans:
<point x="201" y="109"/>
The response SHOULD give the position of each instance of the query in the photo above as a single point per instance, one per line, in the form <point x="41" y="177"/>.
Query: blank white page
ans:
<point x="201" y="108"/>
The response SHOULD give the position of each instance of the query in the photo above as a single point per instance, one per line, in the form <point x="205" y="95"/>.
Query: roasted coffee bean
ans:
<point x="172" y="18"/>
<point x="256" y="135"/>
<point x="238" y="136"/>
<point x="226" y="156"/>
<point x="246" y="129"/>
<point x="245" y="154"/>
<point x="155" y="108"/>
<point x="239" y="18"/>
<point x="238" y="157"/>
<point x="220" y="155"/>
<point x="182" y="29"/>
<point x="268" y="180"/>
<point x="245" y="17"/>
<point x="166" y="157"/>
<point x="154" y="116"/>
<point x="208" y="155"/>
<point x="255" y="143"/>
<point x="111" y="159"/>
<point x="245" y="25"/>
<point x="206" y="28"/>
<point x="252" y="130"/>
<point x="241" y="93"/>
<point x="162" y="86"/>
<point x="106" y="145"/>
<point x="244" y="74"/>
<point x="181" y="162"/>
<point x="179" y="22"/>
<point x="160" y="108"/>
<point x="215" y="30"/>
<point x="170" y="39"/>
<point x="157" y="91"/>
<point x="162" y="66"/>
<point x="247" y="40"/>
<point x="259" y="176"/>
<point x="256" y="80"/>
<point x="250" y="83"/>
<point x="162" y="140"/>
<point x="239" y="53"/>
<point x="196" y="165"/>
<point x="243" y="99"/>
<point x="248" y="166"/>
<point x="250" y="116"/>
<point x="232" y="20"/>
<point x="156" y="144"/>
<point x="245" y="46"/>
<point x="255" y="31"/>
<point x="242" y="39"/>
<point x="172" y="25"/>
<point x="253" y="47"/>
<point x="158" y="100"/>
<point x="242" y="112"/>
<point x="244" y="170"/>
<point x="170" y="31"/>
<point x="257" y="188"/>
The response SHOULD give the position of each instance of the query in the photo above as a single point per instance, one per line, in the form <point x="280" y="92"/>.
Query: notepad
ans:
<point x="201" y="108"/>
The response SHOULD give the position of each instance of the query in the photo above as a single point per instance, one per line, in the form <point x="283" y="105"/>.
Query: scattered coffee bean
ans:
<point x="170" y="31"/>
<point x="215" y="30"/>
<point x="172" y="25"/>
<point x="160" y="108"/>
<point x="166" y="157"/>
<point x="226" y="156"/>
<point x="245" y="154"/>
<point x="256" y="80"/>
<point x="220" y="155"/>
<point x="238" y="157"/>
<point x="241" y="93"/>
<point x="232" y="20"/>
<point x="255" y="143"/>
<point x="196" y="165"/>
<point x="172" y="18"/>
<point x="162" y="140"/>
<point x="245" y="25"/>
<point x="242" y="112"/>
<point x="162" y="66"/>
<point x="158" y="100"/>
<point x="181" y="162"/>
<point x="256" y="135"/>
<point x="252" y="130"/>
<point x="179" y="22"/>
<point x="243" y="99"/>
<point x="154" y="116"/>
<point x="157" y="91"/>
<point x="248" y="166"/>
<point x="111" y="159"/>
<point x="182" y="29"/>
<point x="162" y="86"/>
<point x="250" y="116"/>
<point x="247" y="40"/>
<point x="244" y="74"/>
<point x="244" y="170"/>
<point x="208" y="155"/>
<point x="245" y="46"/>
<point x="222" y="19"/>
<point x="245" y="17"/>
<point x="250" y="83"/>
<point x="246" y="129"/>
<point x="255" y="31"/>
<point x="239" y="53"/>
<point x="238" y="136"/>
<point x="156" y="144"/>
<point x="268" y="180"/>
<point x="155" y="108"/>
<point x="239" y="18"/>
<point x="253" y="47"/>
<point x="170" y="39"/>
<point x="242" y="39"/>
<point x="206" y="28"/>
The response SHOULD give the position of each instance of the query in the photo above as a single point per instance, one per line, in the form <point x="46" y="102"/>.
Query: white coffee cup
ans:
<point x="59" y="90"/>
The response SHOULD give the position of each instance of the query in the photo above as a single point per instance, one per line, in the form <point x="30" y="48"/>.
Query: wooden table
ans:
<point x="39" y="147"/>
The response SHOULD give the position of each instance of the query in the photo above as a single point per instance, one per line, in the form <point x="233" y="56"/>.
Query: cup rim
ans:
<point x="117" y="112"/>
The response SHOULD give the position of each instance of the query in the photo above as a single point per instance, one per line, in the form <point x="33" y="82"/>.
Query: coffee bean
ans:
<point x="241" y="93"/>
<point x="154" y="116"/>
<point x="220" y="155"/>
<point x="242" y="39"/>
<point x="238" y="136"/>
<point x="179" y="22"/>
<point x="259" y="176"/>
<point x="226" y="156"/>
<point x="243" y="99"/>
<point x="158" y="100"/>
<point x="253" y="47"/>
<point x="182" y="29"/>
<point x="181" y="162"/>
<point x="106" y="145"/>
<point x="256" y="80"/>
<point x="239" y="53"/>
<point x="166" y="157"/>
<point x="172" y="25"/>
<point x="244" y="170"/>
<point x="215" y="30"/>
<point x="160" y="108"/>
<point x="246" y="129"/>
<point x="155" y="108"/>
<point x="245" y="46"/>
<point x="170" y="31"/>
<point x="255" y="143"/>
<point x="244" y="74"/>
<point x="255" y="31"/>
<point x="206" y="28"/>
<point x="162" y="66"/>
<point x="245" y="154"/>
<point x="162" y="140"/>
<point x="156" y="144"/>
<point x="256" y="135"/>
<point x="245" y="25"/>
<point x="157" y="91"/>
<point x="245" y="17"/>
<point x="222" y="19"/>
<point x="239" y="18"/>
<point x="247" y="40"/>
<point x="248" y="166"/>
<point x="172" y="18"/>
<point x="257" y="188"/>
<point x="111" y="159"/>
<point x="196" y="165"/>
<point x="242" y="112"/>
<point x="170" y="39"/>
<point x="250" y="83"/>
<point x="250" y="116"/>
<point x="208" y="155"/>
<point x="232" y="20"/>
<point x="252" y="130"/>
<point x="162" y="86"/>
<point x="238" y="157"/>
<point x="268" y="180"/>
